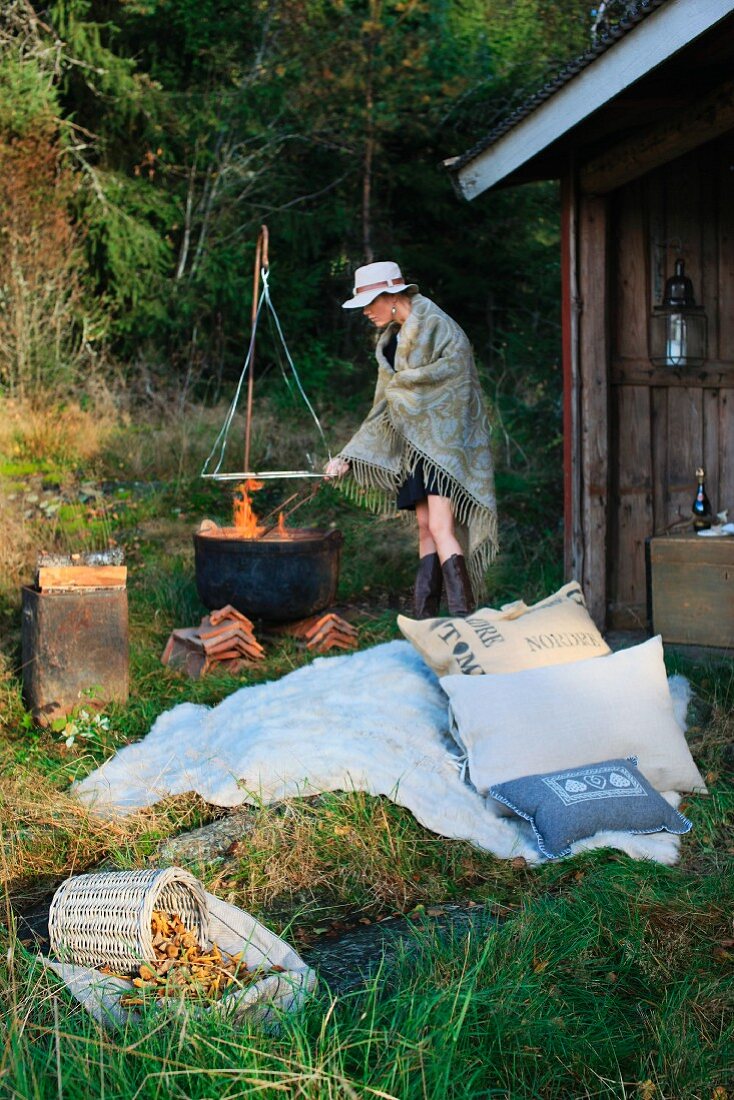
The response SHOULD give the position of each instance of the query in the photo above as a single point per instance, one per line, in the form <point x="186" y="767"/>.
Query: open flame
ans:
<point x="246" y="522"/>
<point x="245" y="519"/>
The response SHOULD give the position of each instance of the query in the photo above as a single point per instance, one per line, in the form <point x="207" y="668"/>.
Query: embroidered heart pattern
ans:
<point x="618" y="780"/>
<point x="574" y="786"/>
<point x="597" y="781"/>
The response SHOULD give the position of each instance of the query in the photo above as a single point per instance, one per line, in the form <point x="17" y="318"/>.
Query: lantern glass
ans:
<point x="678" y="337"/>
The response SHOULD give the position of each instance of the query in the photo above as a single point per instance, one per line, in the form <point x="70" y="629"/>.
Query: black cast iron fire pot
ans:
<point x="278" y="579"/>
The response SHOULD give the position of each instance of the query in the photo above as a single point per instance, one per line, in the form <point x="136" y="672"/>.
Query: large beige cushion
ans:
<point x="544" y="719"/>
<point x="555" y="631"/>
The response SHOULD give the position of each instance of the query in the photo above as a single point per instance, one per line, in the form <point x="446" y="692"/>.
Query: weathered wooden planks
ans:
<point x="641" y="372"/>
<point x="631" y="517"/>
<point x="710" y="447"/>
<point x="686" y="209"/>
<point x="685" y="450"/>
<point x="725" y="493"/>
<point x="659" y="459"/>
<point x="631" y="275"/>
<point x="709" y="289"/>
<point x="593" y="399"/>
<point x="725" y="208"/>
<point x="705" y="119"/>
<point x="656" y="424"/>
<point x="570" y="314"/>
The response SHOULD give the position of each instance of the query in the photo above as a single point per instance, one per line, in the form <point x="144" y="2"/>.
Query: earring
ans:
<point x="394" y="311"/>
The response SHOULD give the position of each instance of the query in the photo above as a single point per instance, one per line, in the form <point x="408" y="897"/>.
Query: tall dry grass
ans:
<point x="46" y="834"/>
<point x="59" y="445"/>
<point x="16" y="544"/>
<point x="60" y="435"/>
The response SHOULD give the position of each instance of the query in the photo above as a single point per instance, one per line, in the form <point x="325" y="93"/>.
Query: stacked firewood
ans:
<point x="223" y="639"/>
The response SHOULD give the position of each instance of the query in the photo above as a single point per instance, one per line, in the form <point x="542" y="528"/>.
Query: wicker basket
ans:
<point x="105" y="919"/>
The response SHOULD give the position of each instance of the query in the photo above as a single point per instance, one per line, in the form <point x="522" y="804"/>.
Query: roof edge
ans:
<point x="661" y="28"/>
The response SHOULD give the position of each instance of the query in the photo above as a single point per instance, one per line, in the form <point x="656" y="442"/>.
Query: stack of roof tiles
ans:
<point x="321" y="633"/>
<point x="223" y="639"/>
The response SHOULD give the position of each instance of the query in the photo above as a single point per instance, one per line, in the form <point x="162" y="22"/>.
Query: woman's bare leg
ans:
<point x="426" y="545"/>
<point x="441" y="526"/>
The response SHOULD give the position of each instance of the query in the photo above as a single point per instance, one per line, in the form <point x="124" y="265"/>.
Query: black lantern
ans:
<point x="678" y="325"/>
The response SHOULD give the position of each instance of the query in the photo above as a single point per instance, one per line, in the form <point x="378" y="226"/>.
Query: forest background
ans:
<point x="143" y="142"/>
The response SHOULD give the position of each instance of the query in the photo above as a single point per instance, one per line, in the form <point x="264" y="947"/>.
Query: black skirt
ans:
<point x="416" y="487"/>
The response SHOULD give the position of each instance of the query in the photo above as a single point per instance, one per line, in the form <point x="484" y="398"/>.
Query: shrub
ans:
<point x="43" y="330"/>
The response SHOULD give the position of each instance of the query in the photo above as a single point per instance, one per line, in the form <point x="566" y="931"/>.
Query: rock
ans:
<point x="202" y="845"/>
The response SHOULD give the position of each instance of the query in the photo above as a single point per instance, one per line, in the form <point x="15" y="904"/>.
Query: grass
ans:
<point x="603" y="989"/>
<point x="593" y="977"/>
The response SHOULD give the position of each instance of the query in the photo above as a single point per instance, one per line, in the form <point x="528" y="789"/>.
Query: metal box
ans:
<point x="691" y="589"/>
<point x="75" y="649"/>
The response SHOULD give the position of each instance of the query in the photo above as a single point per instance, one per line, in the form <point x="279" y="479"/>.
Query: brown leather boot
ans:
<point x="457" y="586"/>
<point x="427" y="587"/>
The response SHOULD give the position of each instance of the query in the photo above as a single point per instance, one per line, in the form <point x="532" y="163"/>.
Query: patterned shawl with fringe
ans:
<point x="430" y="407"/>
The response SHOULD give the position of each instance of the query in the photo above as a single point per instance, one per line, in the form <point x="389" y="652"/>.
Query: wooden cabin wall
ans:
<point x="663" y="422"/>
<point x="585" y="314"/>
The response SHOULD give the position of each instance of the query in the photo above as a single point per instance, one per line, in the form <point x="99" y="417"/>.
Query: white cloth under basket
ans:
<point x="104" y="919"/>
<point x="285" y="984"/>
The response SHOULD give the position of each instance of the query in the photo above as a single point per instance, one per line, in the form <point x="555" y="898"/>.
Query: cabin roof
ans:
<point x="649" y="66"/>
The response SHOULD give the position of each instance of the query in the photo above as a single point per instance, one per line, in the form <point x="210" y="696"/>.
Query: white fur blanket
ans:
<point x="372" y="721"/>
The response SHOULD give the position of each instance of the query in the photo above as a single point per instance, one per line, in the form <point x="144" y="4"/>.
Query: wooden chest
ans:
<point x="691" y="589"/>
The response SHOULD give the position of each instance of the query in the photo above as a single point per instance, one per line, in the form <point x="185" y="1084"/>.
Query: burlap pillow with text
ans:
<point x="554" y="631"/>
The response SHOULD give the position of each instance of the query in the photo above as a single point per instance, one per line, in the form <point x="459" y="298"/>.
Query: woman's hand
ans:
<point x="336" y="467"/>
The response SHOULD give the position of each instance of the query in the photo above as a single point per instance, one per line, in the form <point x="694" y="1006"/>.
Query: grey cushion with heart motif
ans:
<point x="568" y="805"/>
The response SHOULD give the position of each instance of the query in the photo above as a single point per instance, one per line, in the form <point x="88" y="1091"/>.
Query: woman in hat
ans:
<point x="425" y="443"/>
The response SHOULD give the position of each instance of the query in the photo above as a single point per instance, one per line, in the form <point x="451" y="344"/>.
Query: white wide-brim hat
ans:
<point x="374" y="279"/>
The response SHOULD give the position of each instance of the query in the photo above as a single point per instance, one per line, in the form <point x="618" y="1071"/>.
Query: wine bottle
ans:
<point x="701" y="508"/>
